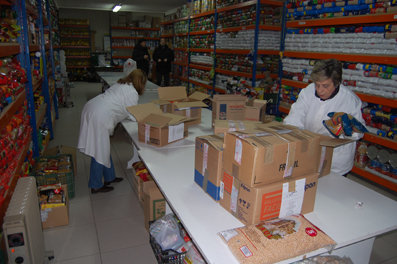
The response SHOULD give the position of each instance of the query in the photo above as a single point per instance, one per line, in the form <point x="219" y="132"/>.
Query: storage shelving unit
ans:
<point x="358" y="20"/>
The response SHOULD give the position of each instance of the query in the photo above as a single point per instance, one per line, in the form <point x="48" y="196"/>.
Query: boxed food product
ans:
<point x="158" y="128"/>
<point x="153" y="203"/>
<point x="252" y="205"/>
<point x="224" y="126"/>
<point x="61" y="149"/>
<point x="261" y="157"/>
<point x="208" y="164"/>
<point x="175" y="100"/>
<point x="275" y="240"/>
<point x="54" y="205"/>
<point x="228" y="107"/>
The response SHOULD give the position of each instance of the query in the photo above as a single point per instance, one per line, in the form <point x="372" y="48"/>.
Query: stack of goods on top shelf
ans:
<point x="381" y="120"/>
<point x="350" y="39"/>
<point x="225" y="3"/>
<point x="202" y="23"/>
<point x="201" y="58"/>
<point x="244" y="39"/>
<point x="298" y="10"/>
<point x="270" y="15"/>
<point x="202" y="42"/>
<point x="14" y="139"/>
<point x="201" y="6"/>
<point x="181" y="12"/>
<point x="9" y="29"/>
<point x="237" y="17"/>
<point x="376" y="159"/>
<point x="12" y="80"/>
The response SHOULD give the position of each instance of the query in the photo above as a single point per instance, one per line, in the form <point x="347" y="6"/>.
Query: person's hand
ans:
<point x="145" y="57"/>
<point x="165" y="60"/>
<point x="159" y="60"/>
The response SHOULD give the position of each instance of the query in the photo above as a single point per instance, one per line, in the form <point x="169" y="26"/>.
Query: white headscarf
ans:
<point x="129" y="66"/>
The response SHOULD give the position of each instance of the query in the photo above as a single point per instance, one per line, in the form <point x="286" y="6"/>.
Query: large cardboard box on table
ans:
<point x="252" y="205"/>
<point x="208" y="164"/>
<point x="158" y="128"/>
<point x="224" y="126"/>
<point x="327" y="144"/>
<point x="262" y="157"/>
<point x="153" y="203"/>
<point x="175" y="100"/>
<point x="53" y="215"/>
<point x="228" y="107"/>
<point x="255" y="110"/>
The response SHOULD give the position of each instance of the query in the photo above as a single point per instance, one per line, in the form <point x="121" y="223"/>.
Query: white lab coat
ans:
<point x="100" y="116"/>
<point x="308" y="112"/>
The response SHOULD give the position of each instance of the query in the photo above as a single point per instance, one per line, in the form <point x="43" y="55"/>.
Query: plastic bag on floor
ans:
<point x="167" y="233"/>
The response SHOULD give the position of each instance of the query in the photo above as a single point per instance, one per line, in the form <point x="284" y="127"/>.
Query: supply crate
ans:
<point x="166" y="256"/>
<point x="57" y="177"/>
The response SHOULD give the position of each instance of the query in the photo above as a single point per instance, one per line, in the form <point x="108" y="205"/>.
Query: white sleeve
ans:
<point x="297" y="114"/>
<point x="130" y="99"/>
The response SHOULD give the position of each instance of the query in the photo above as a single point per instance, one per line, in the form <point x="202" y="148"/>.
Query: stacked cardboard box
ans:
<point x="158" y="128"/>
<point x="175" y="100"/>
<point x="237" y="107"/>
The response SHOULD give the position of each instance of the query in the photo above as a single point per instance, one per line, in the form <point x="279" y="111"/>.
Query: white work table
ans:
<point x="348" y="212"/>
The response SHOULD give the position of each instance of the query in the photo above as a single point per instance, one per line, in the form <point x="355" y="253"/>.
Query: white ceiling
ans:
<point x="150" y="6"/>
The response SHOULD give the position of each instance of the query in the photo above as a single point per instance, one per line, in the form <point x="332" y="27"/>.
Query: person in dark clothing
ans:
<point x="141" y="56"/>
<point x="163" y="56"/>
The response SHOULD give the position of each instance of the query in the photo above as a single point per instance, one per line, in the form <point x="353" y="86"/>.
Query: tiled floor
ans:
<point x="108" y="228"/>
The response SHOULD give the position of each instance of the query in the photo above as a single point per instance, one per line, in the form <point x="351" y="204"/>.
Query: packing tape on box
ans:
<point x="147" y="133"/>
<point x="292" y="198"/>
<point x="238" y="151"/>
<point x="205" y="157"/>
<point x="322" y="159"/>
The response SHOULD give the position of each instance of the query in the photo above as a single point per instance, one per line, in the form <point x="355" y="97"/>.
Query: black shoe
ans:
<point x="117" y="179"/>
<point x="103" y="189"/>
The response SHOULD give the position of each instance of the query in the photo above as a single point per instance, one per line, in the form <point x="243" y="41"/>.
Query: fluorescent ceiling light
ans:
<point x="116" y="8"/>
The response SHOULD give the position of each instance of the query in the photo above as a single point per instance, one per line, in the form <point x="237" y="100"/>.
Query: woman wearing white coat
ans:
<point x="99" y="117"/>
<point x="326" y="94"/>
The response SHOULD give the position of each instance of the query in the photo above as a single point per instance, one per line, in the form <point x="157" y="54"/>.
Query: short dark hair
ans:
<point x="327" y="69"/>
<point x="137" y="78"/>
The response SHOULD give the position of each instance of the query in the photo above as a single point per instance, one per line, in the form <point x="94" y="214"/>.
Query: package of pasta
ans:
<point x="275" y="240"/>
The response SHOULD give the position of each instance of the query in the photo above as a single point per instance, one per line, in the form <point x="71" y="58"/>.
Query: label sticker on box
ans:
<point x="291" y="202"/>
<point x="238" y="151"/>
<point x="232" y="126"/>
<point x="288" y="167"/>
<point x="221" y="188"/>
<point x="175" y="132"/>
<point x="147" y="133"/>
<point x="241" y="126"/>
<point x="234" y="197"/>
<point x="205" y="157"/>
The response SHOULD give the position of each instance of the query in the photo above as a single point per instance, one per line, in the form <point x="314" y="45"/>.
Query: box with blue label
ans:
<point x="208" y="164"/>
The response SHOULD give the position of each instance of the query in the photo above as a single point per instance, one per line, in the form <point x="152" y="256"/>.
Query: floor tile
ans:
<point x="121" y="233"/>
<point x="119" y="189"/>
<point x="94" y="259"/>
<point x="140" y="254"/>
<point x="116" y="207"/>
<point x="80" y="212"/>
<point x="72" y="242"/>
<point x="382" y="251"/>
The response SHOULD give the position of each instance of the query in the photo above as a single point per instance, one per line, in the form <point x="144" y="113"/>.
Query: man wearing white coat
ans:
<point x="99" y="117"/>
<point x="326" y="94"/>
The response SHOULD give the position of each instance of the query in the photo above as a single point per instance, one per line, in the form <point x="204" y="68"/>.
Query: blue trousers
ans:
<point x="97" y="171"/>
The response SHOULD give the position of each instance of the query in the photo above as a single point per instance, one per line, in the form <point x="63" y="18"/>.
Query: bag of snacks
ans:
<point x="275" y="240"/>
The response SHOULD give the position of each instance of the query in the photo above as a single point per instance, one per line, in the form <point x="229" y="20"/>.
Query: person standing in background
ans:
<point x="141" y="56"/>
<point x="163" y="56"/>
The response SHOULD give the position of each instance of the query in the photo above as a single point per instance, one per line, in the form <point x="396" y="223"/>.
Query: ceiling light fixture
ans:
<point x="116" y="8"/>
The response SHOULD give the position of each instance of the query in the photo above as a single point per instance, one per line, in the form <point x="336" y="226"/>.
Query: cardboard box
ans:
<point x="252" y="205"/>
<point x="53" y="215"/>
<point x="61" y="149"/>
<point x="175" y="100"/>
<point x="208" y="164"/>
<point x="228" y="107"/>
<point x="153" y="203"/>
<point x="158" y="128"/>
<point x="267" y="156"/>
<point x="255" y="110"/>
<point x="224" y="126"/>
<point x="327" y="145"/>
